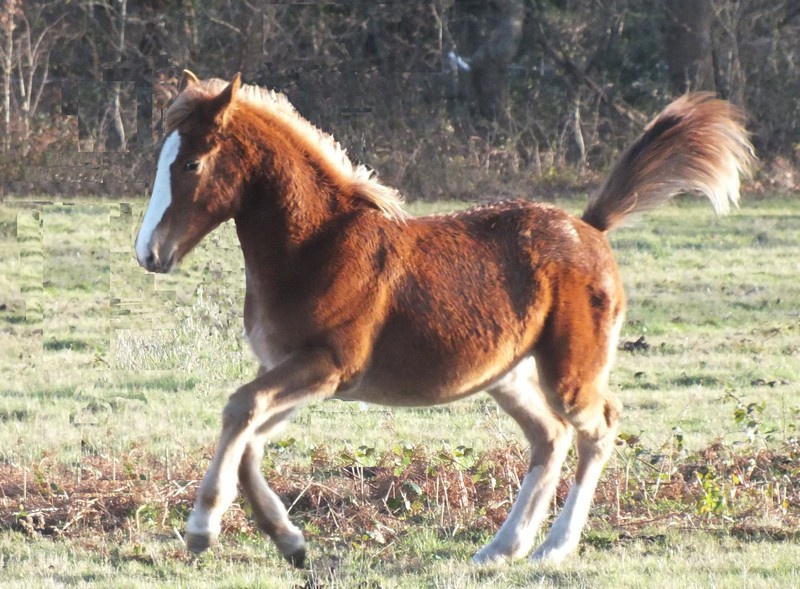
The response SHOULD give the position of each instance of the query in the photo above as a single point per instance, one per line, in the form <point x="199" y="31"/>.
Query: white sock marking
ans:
<point x="517" y="534"/>
<point x="512" y="530"/>
<point x="566" y="530"/>
<point x="162" y="195"/>
<point x="203" y="523"/>
<point x="573" y="515"/>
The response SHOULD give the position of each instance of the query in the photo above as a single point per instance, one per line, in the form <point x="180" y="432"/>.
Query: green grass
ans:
<point x="100" y="360"/>
<point x="670" y="561"/>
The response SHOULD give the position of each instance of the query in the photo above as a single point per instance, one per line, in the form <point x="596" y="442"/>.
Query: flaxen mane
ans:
<point x="276" y="106"/>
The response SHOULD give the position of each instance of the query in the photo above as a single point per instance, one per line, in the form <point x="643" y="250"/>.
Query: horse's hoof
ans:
<point x="546" y="555"/>
<point x="198" y="543"/>
<point x="297" y="558"/>
<point x="487" y="557"/>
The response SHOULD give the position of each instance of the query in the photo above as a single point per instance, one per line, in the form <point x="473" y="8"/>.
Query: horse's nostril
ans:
<point x="151" y="261"/>
<point x="157" y="260"/>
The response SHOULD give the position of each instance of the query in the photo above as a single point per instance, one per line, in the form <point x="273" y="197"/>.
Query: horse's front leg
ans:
<point x="302" y="378"/>
<point x="269" y="512"/>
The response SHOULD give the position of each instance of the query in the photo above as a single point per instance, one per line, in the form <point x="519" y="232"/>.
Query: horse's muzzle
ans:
<point x="153" y="262"/>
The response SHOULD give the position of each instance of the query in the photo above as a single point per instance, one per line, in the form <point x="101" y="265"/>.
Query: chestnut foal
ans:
<point x="347" y="297"/>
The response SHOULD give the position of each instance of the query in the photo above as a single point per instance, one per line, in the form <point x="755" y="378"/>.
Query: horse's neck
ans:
<point x="278" y="220"/>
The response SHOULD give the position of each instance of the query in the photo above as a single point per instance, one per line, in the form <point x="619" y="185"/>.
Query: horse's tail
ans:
<point x="697" y="143"/>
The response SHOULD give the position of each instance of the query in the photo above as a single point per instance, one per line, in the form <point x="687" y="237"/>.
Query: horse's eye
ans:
<point x="191" y="166"/>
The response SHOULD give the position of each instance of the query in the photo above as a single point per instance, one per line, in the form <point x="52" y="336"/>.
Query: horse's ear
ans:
<point x="220" y="105"/>
<point x="188" y="79"/>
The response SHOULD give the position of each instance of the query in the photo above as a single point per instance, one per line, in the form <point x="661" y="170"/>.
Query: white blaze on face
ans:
<point x="162" y="195"/>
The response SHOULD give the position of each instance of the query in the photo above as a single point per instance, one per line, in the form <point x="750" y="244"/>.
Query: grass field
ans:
<point x="113" y="381"/>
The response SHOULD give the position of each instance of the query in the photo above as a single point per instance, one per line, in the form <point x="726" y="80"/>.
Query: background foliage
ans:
<point x="456" y="98"/>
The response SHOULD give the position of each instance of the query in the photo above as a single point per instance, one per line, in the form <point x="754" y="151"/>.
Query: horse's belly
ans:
<point x="423" y="383"/>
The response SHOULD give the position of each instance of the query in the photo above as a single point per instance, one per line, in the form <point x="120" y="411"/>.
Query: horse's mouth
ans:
<point x="158" y="264"/>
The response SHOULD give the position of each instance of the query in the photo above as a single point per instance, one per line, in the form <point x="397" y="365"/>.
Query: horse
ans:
<point x="349" y="297"/>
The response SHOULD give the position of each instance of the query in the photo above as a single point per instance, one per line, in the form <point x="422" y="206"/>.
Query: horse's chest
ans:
<point x="261" y="334"/>
<point x="264" y="350"/>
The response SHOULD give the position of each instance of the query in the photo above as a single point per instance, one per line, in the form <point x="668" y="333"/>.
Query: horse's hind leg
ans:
<point x="595" y="441"/>
<point x="575" y="380"/>
<point x="549" y="438"/>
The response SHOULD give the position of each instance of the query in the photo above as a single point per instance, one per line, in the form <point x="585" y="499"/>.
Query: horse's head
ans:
<point x="195" y="187"/>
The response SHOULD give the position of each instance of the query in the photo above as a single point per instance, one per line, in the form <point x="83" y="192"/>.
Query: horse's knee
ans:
<point x="241" y="408"/>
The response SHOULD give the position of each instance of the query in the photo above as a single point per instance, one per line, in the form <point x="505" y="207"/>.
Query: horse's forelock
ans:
<point x="186" y="102"/>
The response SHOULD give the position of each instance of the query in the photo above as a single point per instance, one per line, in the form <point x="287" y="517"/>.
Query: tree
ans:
<point x="30" y="32"/>
<point x="38" y="35"/>
<point x="497" y="25"/>
<point x="688" y="45"/>
<point x="8" y="17"/>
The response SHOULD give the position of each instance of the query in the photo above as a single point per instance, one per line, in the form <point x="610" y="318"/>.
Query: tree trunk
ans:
<point x="119" y="140"/>
<point x="688" y="45"/>
<point x="491" y="60"/>
<point x="10" y="9"/>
